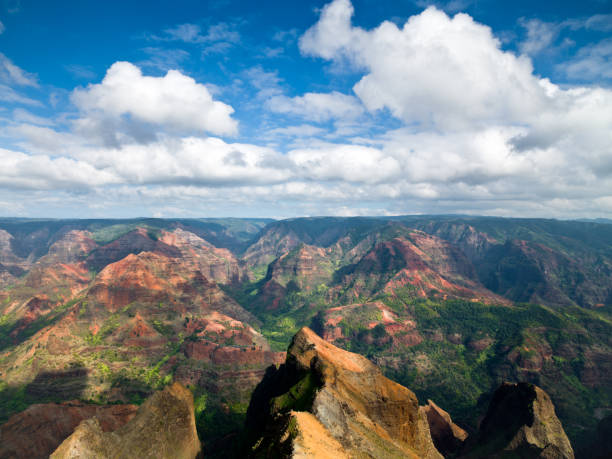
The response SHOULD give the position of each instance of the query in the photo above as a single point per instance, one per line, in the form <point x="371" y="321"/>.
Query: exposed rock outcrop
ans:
<point x="446" y="435"/>
<point x="164" y="427"/>
<point x="39" y="430"/>
<point x="520" y="422"/>
<point x="328" y="402"/>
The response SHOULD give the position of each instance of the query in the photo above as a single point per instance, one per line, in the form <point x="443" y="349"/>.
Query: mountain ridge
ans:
<point x="421" y="297"/>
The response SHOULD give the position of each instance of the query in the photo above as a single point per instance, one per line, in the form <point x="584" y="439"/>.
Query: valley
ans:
<point x="110" y="311"/>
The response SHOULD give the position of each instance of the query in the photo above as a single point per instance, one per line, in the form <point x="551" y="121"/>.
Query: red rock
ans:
<point x="38" y="431"/>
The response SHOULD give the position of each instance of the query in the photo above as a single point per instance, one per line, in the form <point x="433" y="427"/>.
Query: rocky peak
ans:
<point x="341" y="395"/>
<point x="163" y="427"/>
<point x="521" y="422"/>
<point x="447" y="436"/>
<point x="38" y="431"/>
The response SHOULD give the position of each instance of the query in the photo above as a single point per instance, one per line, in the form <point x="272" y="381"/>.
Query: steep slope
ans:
<point x="340" y="398"/>
<point x="36" y="432"/>
<point x="520" y="422"/>
<point x="281" y="237"/>
<point x="453" y="351"/>
<point x="163" y="427"/>
<point x="134" y="242"/>
<point x="425" y="264"/>
<point x="447" y="436"/>
<point x="552" y="262"/>
<point x="217" y="264"/>
<point x="53" y="281"/>
<point x="144" y="320"/>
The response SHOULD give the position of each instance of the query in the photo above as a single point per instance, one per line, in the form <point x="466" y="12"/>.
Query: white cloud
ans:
<point x="347" y="163"/>
<point x="20" y="170"/>
<point x="540" y="35"/>
<point x="2" y="28"/>
<point x="591" y="62"/>
<point x="84" y="72"/>
<point x="436" y="70"/>
<point x="174" y="101"/>
<point x="452" y="6"/>
<point x="475" y="132"/>
<point x="332" y="33"/>
<point x="163" y="59"/>
<point x="450" y="74"/>
<point x="267" y="84"/>
<point x="192" y="33"/>
<point x="23" y="116"/>
<point x="13" y="75"/>
<point x="8" y="94"/>
<point x="44" y="140"/>
<point x="206" y="162"/>
<point x="193" y="160"/>
<point x="303" y="130"/>
<point x="597" y="22"/>
<point x="318" y="107"/>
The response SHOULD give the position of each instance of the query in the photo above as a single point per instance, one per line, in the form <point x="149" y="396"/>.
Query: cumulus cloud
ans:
<point x="174" y="101"/>
<point x="451" y="74"/>
<point x="206" y="162"/>
<point x="435" y="70"/>
<point x="347" y="163"/>
<point x="318" y="107"/>
<point x="23" y="171"/>
<point x="468" y="128"/>
<point x="193" y="160"/>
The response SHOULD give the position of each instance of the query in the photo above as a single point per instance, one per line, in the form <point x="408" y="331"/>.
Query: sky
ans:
<point x="284" y="109"/>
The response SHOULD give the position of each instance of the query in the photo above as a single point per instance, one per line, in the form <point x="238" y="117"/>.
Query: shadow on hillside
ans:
<point x="47" y="387"/>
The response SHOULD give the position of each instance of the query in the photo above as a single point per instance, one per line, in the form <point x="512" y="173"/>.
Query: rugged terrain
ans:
<point x="352" y="405"/>
<point x="162" y="428"/>
<point x="327" y="402"/>
<point x="110" y="311"/>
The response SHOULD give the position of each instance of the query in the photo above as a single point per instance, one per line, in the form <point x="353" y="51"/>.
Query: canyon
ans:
<point x="112" y="311"/>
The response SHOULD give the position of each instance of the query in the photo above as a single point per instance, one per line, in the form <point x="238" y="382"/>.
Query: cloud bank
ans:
<point x="469" y="127"/>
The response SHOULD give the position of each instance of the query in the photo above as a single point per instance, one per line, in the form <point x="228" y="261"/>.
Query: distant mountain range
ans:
<point x="448" y="306"/>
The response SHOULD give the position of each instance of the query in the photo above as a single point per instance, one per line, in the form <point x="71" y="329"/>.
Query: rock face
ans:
<point x="446" y="435"/>
<point x="39" y="430"/>
<point x="164" y="427"/>
<point x="426" y="264"/>
<point x="328" y="402"/>
<point x="520" y="422"/>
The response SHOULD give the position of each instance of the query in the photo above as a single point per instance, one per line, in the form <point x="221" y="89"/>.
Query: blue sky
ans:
<point x="227" y="108"/>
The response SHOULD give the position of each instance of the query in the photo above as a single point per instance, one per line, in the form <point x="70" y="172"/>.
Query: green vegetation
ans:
<point x="299" y="397"/>
<point x="12" y="400"/>
<point x="8" y="323"/>
<point x="163" y="328"/>
<point x="469" y="348"/>
<point x="109" y="326"/>
<point x="220" y="418"/>
<point x="107" y="234"/>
